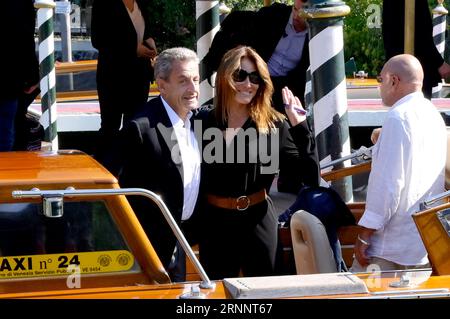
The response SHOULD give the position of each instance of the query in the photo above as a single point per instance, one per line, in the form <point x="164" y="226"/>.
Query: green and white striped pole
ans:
<point x="47" y="70"/>
<point x="309" y="105"/>
<point x="329" y="91"/>
<point x="207" y="25"/>
<point x="439" y="27"/>
<point x="308" y="91"/>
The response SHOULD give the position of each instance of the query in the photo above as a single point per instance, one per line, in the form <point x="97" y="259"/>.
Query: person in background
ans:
<point x="279" y="35"/>
<point x="408" y="166"/>
<point x="434" y="66"/>
<point x="238" y="223"/>
<point x="121" y="32"/>
<point x="161" y="154"/>
<point x="19" y="64"/>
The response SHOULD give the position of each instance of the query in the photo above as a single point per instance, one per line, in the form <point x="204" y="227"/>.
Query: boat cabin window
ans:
<point x="33" y="245"/>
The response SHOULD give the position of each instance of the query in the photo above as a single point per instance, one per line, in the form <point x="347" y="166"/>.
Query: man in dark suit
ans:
<point x="162" y="154"/>
<point x="19" y="65"/>
<point x="282" y="42"/>
<point x="278" y="34"/>
<point x="434" y="66"/>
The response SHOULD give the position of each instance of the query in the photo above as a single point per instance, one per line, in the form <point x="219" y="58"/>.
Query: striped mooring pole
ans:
<point x="47" y="70"/>
<point x="309" y="105"/>
<point x="308" y="90"/>
<point x="439" y="27"/>
<point x="329" y="89"/>
<point x="207" y="25"/>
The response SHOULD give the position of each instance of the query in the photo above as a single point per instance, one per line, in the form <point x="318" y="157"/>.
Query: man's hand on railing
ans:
<point x="375" y="135"/>
<point x="364" y="152"/>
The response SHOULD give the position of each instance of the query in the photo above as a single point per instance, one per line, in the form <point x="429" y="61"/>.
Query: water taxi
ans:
<point x="68" y="231"/>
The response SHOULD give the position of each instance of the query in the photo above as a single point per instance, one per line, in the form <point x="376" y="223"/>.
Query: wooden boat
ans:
<point x="41" y="192"/>
<point x="52" y="180"/>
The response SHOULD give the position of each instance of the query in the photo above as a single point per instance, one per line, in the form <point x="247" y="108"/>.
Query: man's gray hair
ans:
<point x="164" y="62"/>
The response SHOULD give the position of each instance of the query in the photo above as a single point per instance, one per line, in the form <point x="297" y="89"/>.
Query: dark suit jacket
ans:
<point x="147" y="163"/>
<point x="424" y="48"/>
<point x="271" y="24"/>
<point x="295" y="149"/>
<point x="120" y="72"/>
<point x="261" y="30"/>
<point x="236" y="29"/>
<point x="18" y="61"/>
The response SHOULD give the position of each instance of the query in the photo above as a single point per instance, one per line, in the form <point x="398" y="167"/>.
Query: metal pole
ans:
<point x="329" y="92"/>
<point x="308" y="91"/>
<point x="309" y="101"/>
<point x="410" y="7"/>
<point x="63" y="19"/>
<point x="439" y="27"/>
<point x="65" y="30"/>
<point x="47" y="70"/>
<point x="207" y="25"/>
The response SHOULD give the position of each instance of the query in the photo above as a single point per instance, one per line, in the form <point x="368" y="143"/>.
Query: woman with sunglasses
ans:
<point x="239" y="230"/>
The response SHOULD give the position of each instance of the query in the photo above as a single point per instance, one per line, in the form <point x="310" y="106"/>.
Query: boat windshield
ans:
<point x="33" y="245"/>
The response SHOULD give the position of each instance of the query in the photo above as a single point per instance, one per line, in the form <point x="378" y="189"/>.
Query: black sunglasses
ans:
<point x="240" y="75"/>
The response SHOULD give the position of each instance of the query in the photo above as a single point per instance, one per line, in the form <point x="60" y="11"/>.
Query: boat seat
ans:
<point x="312" y="251"/>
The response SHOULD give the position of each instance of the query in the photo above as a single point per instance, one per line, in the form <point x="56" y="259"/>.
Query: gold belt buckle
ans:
<point x="240" y="199"/>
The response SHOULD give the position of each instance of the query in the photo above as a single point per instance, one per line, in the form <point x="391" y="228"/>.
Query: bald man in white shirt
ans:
<point x="408" y="166"/>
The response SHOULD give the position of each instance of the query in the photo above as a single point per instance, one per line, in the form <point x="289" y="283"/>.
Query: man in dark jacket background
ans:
<point x="278" y="34"/>
<point x="19" y="65"/>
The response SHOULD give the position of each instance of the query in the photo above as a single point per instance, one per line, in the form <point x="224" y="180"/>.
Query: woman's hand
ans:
<point x="30" y="89"/>
<point x="150" y="43"/>
<point x="144" y="52"/>
<point x="293" y="107"/>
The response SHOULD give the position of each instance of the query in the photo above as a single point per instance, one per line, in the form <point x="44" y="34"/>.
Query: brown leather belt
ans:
<point x="237" y="203"/>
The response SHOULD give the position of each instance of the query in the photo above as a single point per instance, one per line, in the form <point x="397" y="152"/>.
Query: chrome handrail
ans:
<point x="362" y="151"/>
<point x="71" y="192"/>
<point x="427" y="203"/>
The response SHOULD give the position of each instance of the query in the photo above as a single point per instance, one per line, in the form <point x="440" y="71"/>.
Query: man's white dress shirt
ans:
<point x="408" y="166"/>
<point x="288" y="51"/>
<point x="190" y="158"/>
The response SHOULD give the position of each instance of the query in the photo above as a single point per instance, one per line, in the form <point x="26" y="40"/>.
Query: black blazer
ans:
<point x="261" y="30"/>
<point x="297" y="161"/>
<point x="236" y="29"/>
<point x="271" y="23"/>
<point x="18" y="60"/>
<point x="424" y="48"/>
<point x="114" y="36"/>
<point x="147" y="163"/>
